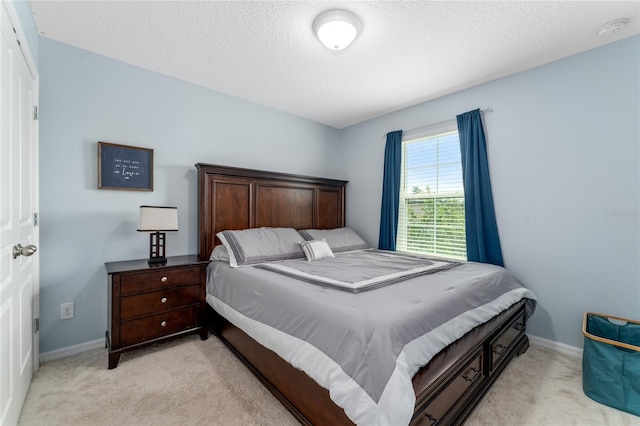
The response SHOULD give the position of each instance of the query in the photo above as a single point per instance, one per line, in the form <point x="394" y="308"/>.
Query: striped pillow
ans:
<point x="316" y="249"/>
<point x="259" y="245"/>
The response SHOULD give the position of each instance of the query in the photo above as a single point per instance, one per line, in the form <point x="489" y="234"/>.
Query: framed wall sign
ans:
<point x="124" y="167"/>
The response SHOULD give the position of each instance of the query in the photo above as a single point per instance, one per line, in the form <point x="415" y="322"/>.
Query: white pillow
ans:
<point x="339" y="239"/>
<point x="219" y="252"/>
<point x="316" y="249"/>
<point x="259" y="245"/>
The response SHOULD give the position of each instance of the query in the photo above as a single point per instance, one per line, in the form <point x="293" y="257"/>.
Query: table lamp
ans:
<point x="156" y="219"/>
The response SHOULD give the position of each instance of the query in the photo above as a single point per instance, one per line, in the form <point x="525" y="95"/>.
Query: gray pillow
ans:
<point x="339" y="239"/>
<point x="220" y="252"/>
<point x="259" y="245"/>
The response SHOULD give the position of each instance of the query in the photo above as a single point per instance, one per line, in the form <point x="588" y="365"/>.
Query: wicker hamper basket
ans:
<point x="611" y="361"/>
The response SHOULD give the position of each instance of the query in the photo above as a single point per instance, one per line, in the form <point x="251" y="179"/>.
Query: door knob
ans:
<point x="23" y="251"/>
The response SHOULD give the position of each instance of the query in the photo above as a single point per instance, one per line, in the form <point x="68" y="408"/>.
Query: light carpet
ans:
<point x="192" y="382"/>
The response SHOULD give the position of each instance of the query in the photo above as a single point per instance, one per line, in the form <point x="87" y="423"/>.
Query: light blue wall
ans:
<point x="86" y="98"/>
<point x="564" y="153"/>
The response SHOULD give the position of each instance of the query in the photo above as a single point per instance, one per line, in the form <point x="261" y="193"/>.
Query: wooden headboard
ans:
<point x="235" y="198"/>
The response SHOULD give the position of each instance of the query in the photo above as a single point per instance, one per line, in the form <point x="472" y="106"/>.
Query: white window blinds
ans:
<point x="431" y="214"/>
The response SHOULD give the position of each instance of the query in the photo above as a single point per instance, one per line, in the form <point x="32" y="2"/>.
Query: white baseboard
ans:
<point x="72" y="350"/>
<point x="556" y="346"/>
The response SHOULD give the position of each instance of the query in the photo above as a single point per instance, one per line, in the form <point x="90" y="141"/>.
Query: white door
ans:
<point x="19" y="287"/>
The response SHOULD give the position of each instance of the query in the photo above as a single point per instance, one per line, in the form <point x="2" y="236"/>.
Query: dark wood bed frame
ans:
<point x="447" y="389"/>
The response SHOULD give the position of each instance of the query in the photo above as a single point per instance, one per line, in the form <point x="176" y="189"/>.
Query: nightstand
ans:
<point x="150" y="304"/>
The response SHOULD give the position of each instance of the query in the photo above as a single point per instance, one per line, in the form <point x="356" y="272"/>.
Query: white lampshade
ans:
<point x="154" y="218"/>
<point x="336" y="29"/>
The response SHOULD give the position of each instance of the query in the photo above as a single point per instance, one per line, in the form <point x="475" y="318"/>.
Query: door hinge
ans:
<point x="36" y="325"/>
<point x="35" y="112"/>
<point x="35" y="219"/>
<point x="16" y="33"/>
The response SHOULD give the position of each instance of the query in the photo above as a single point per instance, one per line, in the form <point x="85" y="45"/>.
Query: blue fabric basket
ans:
<point x="611" y="361"/>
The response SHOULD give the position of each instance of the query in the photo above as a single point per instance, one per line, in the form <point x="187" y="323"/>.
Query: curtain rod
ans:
<point x="485" y="109"/>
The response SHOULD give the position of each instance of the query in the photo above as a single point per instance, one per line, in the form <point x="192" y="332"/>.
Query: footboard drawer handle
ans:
<point x="475" y="376"/>
<point x="519" y="326"/>
<point x="164" y="279"/>
<point x="163" y="324"/>
<point x="499" y="349"/>
<point x="163" y="300"/>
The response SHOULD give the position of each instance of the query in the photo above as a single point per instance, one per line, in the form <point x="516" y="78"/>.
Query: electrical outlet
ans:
<point x="66" y="310"/>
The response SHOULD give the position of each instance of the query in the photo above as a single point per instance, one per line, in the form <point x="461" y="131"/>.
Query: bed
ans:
<point x="446" y="389"/>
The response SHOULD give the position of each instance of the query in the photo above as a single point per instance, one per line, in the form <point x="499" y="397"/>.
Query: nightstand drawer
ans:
<point x="156" y="280"/>
<point x="141" y="330"/>
<point x="158" y="301"/>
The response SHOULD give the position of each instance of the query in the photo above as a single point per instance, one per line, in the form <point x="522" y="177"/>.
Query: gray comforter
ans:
<point x="363" y="347"/>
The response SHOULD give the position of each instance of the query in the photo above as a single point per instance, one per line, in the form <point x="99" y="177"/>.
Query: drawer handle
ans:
<point x="163" y="300"/>
<point x="499" y="349"/>
<point x="163" y="324"/>
<point x="432" y="419"/>
<point x="164" y="279"/>
<point x="475" y="376"/>
<point x="519" y="326"/>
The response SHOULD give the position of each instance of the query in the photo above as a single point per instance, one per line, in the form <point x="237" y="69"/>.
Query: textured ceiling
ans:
<point x="265" y="51"/>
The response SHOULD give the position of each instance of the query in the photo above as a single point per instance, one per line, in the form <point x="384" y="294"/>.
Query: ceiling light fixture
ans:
<point x="612" y="27"/>
<point x="336" y="29"/>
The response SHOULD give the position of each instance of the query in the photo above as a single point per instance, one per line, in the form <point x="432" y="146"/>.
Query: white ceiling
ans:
<point x="265" y="51"/>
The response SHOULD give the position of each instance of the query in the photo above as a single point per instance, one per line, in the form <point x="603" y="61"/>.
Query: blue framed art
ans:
<point x="124" y="167"/>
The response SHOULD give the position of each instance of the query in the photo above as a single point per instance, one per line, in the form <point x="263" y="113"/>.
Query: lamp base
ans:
<point x="157" y="261"/>
<point x="157" y="249"/>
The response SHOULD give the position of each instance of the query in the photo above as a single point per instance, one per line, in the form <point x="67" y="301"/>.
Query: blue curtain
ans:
<point x="483" y="243"/>
<point x="390" y="191"/>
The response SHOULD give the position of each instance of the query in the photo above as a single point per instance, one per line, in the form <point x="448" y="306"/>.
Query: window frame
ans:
<point x="402" y="242"/>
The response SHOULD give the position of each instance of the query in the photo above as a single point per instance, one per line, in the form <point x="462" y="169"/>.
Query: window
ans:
<point x="431" y="214"/>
